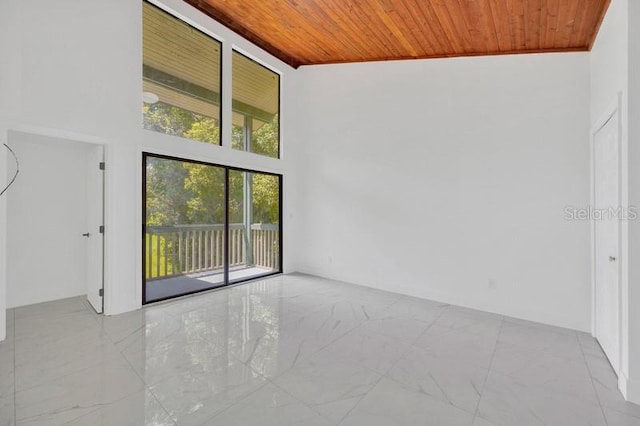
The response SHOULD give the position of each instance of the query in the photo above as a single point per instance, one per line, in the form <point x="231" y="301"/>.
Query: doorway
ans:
<point x="56" y="199"/>
<point x="607" y="215"/>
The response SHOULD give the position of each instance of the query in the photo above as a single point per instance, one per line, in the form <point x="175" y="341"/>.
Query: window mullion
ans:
<point x="227" y="103"/>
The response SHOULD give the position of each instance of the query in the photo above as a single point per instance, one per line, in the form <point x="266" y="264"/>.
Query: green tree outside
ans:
<point x="183" y="193"/>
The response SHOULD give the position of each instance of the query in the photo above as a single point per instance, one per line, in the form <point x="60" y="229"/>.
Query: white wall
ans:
<point x="3" y="241"/>
<point x="615" y="66"/>
<point x="633" y="385"/>
<point x="47" y="215"/>
<point x="448" y="179"/>
<point x="7" y="86"/>
<point x="463" y="166"/>
<point x="72" y="69"/>
<point x="609" y="62"/>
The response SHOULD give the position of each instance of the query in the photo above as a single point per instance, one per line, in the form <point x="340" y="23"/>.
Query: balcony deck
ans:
<point x="189" y="258"/>
<point x="164" y="288"/>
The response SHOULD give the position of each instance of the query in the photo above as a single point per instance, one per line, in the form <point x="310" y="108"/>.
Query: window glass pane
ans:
<point x="184" y="232"/>
<point x="254" y="224"/>
<point x="256" y="107"/>
<point x="181" y="78"/>
<point x="188" y="246"/>
<point x="238" y="133"/>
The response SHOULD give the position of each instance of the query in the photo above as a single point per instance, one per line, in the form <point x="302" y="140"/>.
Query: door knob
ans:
<point x="612" y="259"/>
<point x="88" y="235"/>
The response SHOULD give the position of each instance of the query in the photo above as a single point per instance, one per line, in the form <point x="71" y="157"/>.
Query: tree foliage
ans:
<point x="180" y="193"/>
<point x="167" y="196"/>
<point x="265" y="138"/>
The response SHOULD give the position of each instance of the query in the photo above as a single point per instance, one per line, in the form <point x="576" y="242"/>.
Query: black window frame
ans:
<point x="227" y="169"/>
<point x="279" y="155"/>
<point x="220" y="84"/>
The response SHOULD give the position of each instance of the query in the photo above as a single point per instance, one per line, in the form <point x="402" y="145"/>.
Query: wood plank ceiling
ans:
<point x="308" y="32"/>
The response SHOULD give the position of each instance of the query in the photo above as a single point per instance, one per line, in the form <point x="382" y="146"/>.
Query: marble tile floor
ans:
<point x="300" y="350"/>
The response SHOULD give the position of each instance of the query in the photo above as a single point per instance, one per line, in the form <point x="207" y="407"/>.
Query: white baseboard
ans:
<point x="630" y="388"/>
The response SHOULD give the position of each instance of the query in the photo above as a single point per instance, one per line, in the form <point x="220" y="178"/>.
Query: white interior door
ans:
<point x="607" y="240"/>
<point x="95" y="231"/>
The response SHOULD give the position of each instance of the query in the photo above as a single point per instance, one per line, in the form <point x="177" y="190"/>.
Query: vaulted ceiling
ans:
<point x="307" y="32"/>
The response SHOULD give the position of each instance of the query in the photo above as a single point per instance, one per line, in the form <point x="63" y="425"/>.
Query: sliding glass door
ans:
<point x="207" y="226"/>
<point x="254" y="224"/>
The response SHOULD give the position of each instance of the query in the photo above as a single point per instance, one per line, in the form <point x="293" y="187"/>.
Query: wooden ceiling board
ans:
<point x="255" y="85"/>
<point x="176" y="48"/>
<point x="309" y="32"/>
<point x="180" y="100"/>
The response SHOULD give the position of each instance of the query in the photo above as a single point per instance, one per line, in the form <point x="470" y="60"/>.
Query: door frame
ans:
<point x="615" y="107"/>
<point x="101" y="231"/>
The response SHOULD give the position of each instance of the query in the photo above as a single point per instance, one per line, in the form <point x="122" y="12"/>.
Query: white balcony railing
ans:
<point x="199" y="249"/>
